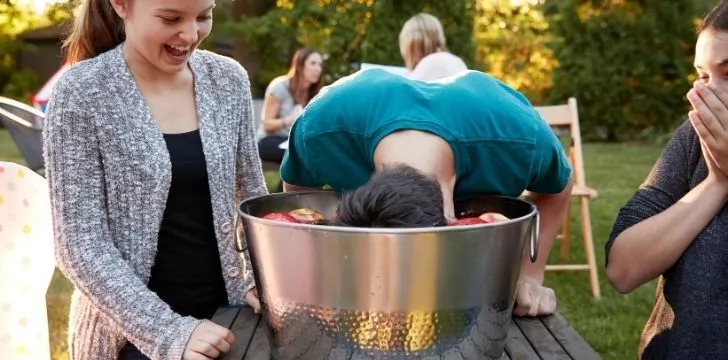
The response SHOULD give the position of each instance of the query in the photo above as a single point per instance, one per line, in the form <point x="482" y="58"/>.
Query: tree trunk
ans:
<point x="241" y="52"/>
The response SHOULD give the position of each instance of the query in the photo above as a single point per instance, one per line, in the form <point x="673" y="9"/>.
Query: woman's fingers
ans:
<point x="710" y="107"/>
<point x="703" y="132"/>
<point x="221" y="338"/>
<point x="205" y="347"/>
<point x="715" y="97"/>
<point x="193" y="355"/>
<point x="706" y="117"/>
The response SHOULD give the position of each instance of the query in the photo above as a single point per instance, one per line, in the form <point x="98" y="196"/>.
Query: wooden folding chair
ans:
<point x="567" y="117"/>
<point x="25" y="125"/>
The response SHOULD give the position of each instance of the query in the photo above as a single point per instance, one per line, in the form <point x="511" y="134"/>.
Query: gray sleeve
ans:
<point x="668" y="182"/>
<point x="250" y="181"/>
<point x="279" y="89"/>
<point x="85" y="253"/>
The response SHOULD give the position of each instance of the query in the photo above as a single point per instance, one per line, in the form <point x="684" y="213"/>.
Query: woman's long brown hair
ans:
<point x="295" y="73"/>
<point x="96" y="29"/>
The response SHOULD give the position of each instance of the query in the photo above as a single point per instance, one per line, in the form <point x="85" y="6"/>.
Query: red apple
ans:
<point x="491" y="217"/>
<point x="466" y="221"/>
<point x="307" y="216"/>
<point x="278" y="216"/>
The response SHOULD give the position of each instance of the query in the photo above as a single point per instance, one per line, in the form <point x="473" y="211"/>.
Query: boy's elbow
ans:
<point x="565" y="194"/>
<point x="563" y="197"/>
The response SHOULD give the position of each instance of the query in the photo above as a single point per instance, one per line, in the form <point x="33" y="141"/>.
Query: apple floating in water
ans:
<point x="307" y="216"/>
<point x="466" y="221"/>
<point x="491" y="217"/>
<point x="485" y="218"/>
<point x="279" y="216"/>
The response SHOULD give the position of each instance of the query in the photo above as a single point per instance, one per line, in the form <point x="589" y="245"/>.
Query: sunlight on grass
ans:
<point x="611" y="325"/>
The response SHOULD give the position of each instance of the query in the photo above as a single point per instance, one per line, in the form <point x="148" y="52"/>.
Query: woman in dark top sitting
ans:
<point x="675" y="227"/>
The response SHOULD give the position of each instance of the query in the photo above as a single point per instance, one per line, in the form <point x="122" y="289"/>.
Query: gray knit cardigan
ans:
<point x="109" y="174"/>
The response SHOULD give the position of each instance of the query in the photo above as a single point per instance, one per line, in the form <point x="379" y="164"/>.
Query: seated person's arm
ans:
<point x="296" y="169"/>
<point x="271" y="112"/>
<point x="663" y="218"/>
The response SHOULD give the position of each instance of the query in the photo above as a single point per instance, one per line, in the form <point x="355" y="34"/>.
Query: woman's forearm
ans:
<point x="649" y="248"/>
<point x="271" y="126"/>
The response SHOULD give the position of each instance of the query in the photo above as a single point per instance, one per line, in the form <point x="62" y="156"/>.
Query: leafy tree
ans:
<point x="627" y="62"/>
<point x="511" y="42"/>
<point x="62" y="10"/>
<point x="14" y="19"/>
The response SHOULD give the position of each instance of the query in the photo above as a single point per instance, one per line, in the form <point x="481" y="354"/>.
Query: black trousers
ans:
<point x="268" y="150"/>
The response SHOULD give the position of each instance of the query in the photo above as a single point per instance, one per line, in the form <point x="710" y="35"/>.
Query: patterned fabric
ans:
<point x="26" y="263"/>
<point x="109" y="174"/>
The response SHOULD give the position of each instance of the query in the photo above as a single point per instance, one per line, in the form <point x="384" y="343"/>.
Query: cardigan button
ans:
<point x="233" y="272"/>
<point x="226" y="227"/>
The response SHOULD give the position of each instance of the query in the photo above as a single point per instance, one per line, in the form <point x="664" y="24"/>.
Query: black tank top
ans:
<point x="187" y="273"/>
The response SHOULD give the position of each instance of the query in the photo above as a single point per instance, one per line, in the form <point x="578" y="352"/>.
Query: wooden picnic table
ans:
<point x="549" y="337"/>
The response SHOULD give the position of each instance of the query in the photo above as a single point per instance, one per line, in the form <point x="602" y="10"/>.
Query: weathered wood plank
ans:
<point x="517" y="346"/>
<point x="225" y="316"/>
<point x="569" y="338"/>
<point x="259" y="348"/>
<point x="243" y="328"/>
<point x="540" y="338"/>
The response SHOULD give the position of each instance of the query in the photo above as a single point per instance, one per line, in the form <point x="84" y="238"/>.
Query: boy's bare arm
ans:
<point x="552" y="210"/>
<point x="290" y="187"/>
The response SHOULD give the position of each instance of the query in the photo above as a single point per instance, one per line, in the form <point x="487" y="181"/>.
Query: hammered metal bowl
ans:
<point x="362" y="293"/>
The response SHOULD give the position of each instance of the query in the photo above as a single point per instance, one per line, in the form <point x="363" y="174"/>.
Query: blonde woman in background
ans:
<point x="423" y="46"/>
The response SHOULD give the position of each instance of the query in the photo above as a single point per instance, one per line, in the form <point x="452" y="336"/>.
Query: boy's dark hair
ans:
<point x="394" y="197"/>
<point x="717" y="18"/>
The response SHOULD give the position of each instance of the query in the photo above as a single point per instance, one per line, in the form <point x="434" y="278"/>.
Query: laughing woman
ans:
<point x="149" y="144"/>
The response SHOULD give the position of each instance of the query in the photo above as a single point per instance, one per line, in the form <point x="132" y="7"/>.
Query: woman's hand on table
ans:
<point x="533" y="299"/>
<point x="251" y="297"/>
<point x="208" y="341"/>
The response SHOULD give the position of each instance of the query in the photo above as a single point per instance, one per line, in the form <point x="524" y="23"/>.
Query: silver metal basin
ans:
<point x="363" y="293"/>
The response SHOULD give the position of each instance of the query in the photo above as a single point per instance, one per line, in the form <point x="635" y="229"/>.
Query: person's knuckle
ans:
<point x="209" y="349"/>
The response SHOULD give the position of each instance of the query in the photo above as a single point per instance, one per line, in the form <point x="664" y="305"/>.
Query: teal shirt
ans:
<point x="500" y="143"/>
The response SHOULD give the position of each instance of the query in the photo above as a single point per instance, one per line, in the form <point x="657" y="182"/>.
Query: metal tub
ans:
<point x="363" y="293"/>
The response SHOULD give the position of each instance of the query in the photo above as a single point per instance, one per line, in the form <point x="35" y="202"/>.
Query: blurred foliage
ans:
<point x="346" y="32"/>
<point x="62" y="10"/>
<point x="14" y="19"/>
<point x="511" y="42"/>
<point x="628" y="63"/>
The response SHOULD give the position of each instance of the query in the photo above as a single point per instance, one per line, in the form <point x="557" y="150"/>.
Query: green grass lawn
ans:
<point x="611" y="325"/>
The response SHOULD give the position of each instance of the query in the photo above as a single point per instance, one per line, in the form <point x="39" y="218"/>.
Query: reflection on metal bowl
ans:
<point x="359" y="293"/>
